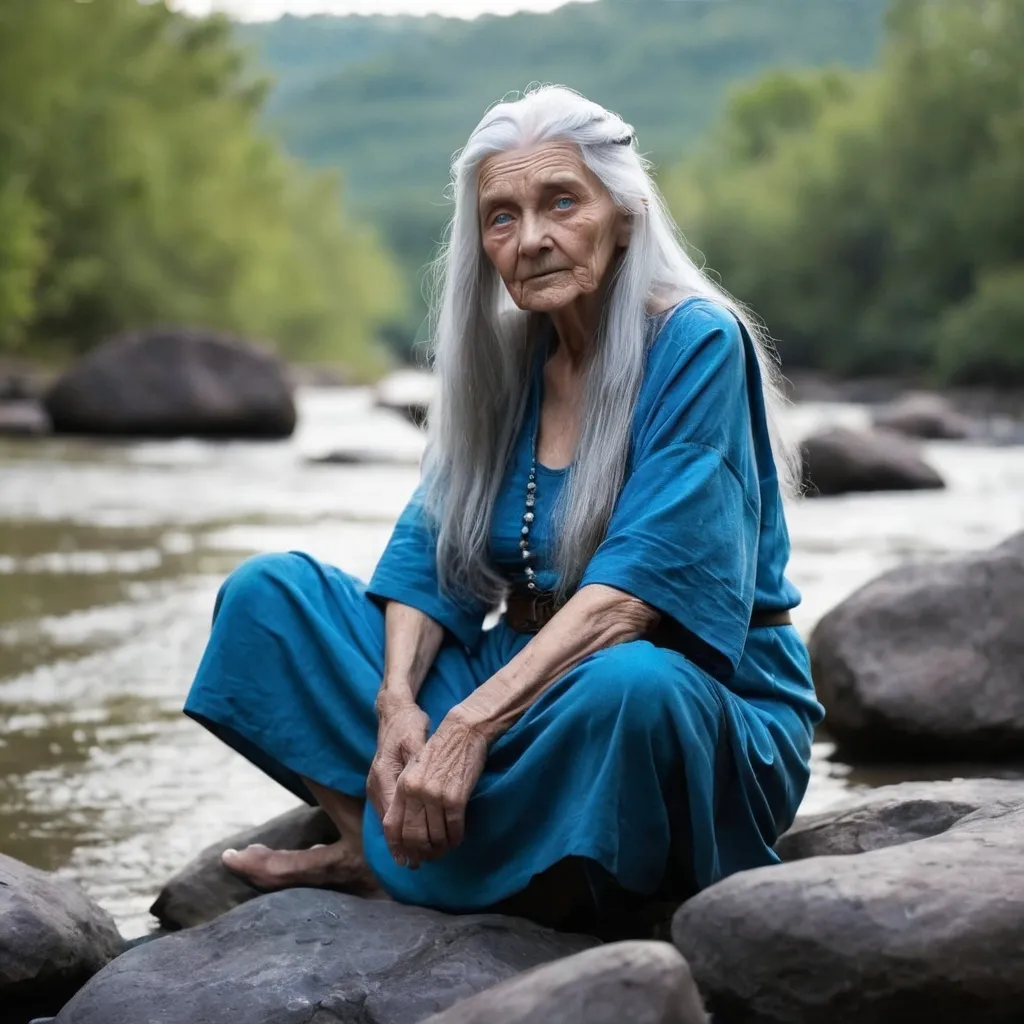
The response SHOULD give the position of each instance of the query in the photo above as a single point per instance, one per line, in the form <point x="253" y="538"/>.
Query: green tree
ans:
<point x="877" y="221"/>
<point x="144" y="192"/>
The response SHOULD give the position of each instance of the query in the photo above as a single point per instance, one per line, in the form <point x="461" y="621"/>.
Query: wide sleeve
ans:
<point x="684" y="532"/>
<point x="407" y="573"/>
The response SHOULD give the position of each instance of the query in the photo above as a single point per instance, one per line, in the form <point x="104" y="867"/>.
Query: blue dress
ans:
<point x="644" y="760"/>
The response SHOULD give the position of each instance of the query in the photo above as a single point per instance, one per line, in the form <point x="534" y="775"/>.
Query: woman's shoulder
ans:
<point x="698" y="335"/>
<point x="694" y="320"/>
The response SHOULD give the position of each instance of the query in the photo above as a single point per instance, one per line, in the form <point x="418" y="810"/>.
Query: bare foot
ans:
<point x="335" y="866"/>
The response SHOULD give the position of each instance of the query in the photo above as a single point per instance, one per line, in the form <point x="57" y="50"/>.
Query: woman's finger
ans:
<point x="415" y="837"/>
<point x="381" y="785"/>
<point x="455" y="822"/>
<point x="437" y="828"/>
<point x="392" y="822"/>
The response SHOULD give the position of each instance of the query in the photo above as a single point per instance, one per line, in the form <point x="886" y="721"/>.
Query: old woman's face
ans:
<point x="548" y="225"/>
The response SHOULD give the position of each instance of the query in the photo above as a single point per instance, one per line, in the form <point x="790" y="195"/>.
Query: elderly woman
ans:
<point x="639" y="720"/>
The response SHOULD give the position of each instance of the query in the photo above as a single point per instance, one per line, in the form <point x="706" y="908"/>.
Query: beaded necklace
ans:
<point x="528" y="516"/>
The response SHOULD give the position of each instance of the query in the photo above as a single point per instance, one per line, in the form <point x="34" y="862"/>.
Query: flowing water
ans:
<point x="110" y="557"/>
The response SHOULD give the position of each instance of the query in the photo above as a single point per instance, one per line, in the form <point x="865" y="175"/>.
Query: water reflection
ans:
<point x="110" y="558"/>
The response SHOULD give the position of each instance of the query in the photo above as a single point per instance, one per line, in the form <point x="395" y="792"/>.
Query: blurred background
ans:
<point x="183" y="191"/>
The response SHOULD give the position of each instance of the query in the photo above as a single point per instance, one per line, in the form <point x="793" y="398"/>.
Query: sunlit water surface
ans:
<point x="110" y="557"/>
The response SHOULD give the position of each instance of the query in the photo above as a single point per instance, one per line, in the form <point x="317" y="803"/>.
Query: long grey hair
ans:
<point x="483" y="346"/>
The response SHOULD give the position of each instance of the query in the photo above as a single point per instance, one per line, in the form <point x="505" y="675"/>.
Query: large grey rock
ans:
<point x="172" y="383"/>
<point x="841" y="460"/>
<point x="53" y="938"/>
<point x="928" y="660"/>
<point x="932" y="930"/>
<point x="926" y="415"/>
<point x="204" y="889"/>
<point x="309" y="956"/>
<point x="892" y="815"/>
<point x="638" y="982"/>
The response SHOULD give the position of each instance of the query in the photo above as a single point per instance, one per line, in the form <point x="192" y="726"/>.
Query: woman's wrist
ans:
<point x="475" y="719"/>
<point x="394" y="696"/>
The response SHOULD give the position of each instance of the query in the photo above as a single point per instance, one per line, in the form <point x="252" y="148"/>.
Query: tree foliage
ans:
<point x="391" y="99"/>
<point x="135" y="188"/>
<point x="876" y="220"/>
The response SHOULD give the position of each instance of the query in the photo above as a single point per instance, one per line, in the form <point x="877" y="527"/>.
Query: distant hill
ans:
<point x="390" y="99"/>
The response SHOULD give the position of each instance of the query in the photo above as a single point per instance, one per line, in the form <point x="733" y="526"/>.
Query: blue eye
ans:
<point x="501" y="219"/>
<point x="565" y="203"/>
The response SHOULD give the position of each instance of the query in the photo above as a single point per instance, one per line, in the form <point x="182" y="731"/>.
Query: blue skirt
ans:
<point x="635" y="760"/>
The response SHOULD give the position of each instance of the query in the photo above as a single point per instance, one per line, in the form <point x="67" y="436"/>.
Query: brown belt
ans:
<point x="529" y="611"/>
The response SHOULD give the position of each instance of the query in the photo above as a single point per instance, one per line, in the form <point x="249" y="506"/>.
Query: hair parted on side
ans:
<point x="483" y="346"/>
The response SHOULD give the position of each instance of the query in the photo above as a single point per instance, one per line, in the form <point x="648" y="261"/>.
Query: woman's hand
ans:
<point x="427" y="816"/>
<point x="400" y="737"/>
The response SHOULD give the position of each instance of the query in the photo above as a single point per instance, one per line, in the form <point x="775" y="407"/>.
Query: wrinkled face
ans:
<point x="548" y="225"/>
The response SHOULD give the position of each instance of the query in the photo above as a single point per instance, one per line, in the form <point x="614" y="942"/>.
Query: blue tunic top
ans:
<point x="698" y="531"/>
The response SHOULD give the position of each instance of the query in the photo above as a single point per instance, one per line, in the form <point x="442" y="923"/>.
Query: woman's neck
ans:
<point x="576" y="327"/>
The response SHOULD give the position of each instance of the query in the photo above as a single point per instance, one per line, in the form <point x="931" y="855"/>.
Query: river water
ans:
<point x="110" y="557"/>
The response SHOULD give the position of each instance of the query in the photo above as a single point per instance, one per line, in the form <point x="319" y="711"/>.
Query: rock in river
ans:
<point x="53" y="938"/>
<point x="930" y="930"/>
<point x="928" y="660"/>
<point x="174" y="383"/>
<point x="634" y="982"/>
<point x="204" y="889"/>
<point x="892" y="815"/>
<point x="927" y="415"/>
<point x="841" y="460"/>
<point x="309" y="956"/>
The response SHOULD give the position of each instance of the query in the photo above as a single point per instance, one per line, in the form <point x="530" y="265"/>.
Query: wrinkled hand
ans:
<point x="401" y="736"/>
<point x="428" y="814"/>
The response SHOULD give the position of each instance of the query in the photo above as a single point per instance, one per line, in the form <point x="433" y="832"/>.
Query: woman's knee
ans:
<point x="255" y="581"/>
<point x="636" y="679"/>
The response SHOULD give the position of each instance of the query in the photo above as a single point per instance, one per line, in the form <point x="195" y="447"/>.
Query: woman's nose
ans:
<point x="533" y="237"/>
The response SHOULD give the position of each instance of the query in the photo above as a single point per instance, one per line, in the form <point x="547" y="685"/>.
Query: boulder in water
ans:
<point x="896" y="814"/>
<point x="310" y="955"/>
<point x="204" y="889"/>
<point x="53" y="938"/>
<point x="930" y="930"/>
<point x="174" y="383"/>
<point x="638" y="982"/>
<point x="927" y="661"/>
<point x="925" y="414"/>
<point x="841" y="461"/>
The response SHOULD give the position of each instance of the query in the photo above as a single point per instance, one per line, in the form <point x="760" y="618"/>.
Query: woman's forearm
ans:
<point x="411" y="642"/>
<point x="595" y="617"/>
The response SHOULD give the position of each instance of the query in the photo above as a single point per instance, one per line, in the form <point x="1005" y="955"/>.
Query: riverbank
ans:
<point x="111" y="555"/>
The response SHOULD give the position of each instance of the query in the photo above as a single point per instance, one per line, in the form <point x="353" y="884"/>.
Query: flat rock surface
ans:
<point x="928" y="660"/>
<point x="309" y="956"/>
<point x="892" y="815"/>
<point x="841" y="460"/>
<point x="204" y="889"/>
<point x="927" y="415"/>
<point x="52" y="939"/>
<point x="410" y="393"/>
<point x="931" y="930"/>
<point x="634" y="982"/>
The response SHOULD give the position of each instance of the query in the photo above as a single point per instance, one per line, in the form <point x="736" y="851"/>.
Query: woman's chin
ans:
<point x="546" y="299"/>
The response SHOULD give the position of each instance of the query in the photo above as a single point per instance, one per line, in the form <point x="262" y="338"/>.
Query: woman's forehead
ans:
<point x="531" y="169"/>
